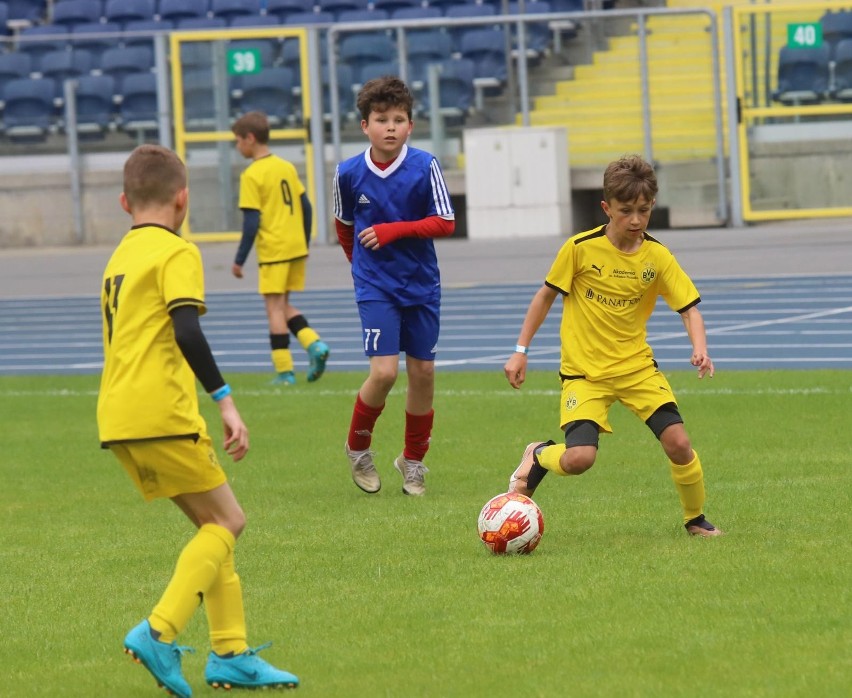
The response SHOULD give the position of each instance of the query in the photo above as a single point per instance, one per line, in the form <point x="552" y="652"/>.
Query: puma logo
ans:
<point x="598" y="269"/>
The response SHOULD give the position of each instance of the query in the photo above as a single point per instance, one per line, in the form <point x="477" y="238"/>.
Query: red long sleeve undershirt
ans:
<point x="430" y="227"/>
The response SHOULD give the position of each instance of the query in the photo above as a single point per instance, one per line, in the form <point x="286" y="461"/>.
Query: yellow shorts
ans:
<point x="643" y="393"/>
<point x="169" y="467"/>
<point x="281" y="277"/>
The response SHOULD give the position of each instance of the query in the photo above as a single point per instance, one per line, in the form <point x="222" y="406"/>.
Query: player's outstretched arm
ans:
<point x="693" y="321"/>
<point x="516" y="367"/>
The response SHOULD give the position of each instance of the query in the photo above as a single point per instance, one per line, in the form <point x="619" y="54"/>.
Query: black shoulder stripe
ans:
<point x="555" y="288"/>
<point x="184" y="301"/>
<point x="651" y="239"/>
<point x="591" y="236"/>
<point x="691" y="305"/>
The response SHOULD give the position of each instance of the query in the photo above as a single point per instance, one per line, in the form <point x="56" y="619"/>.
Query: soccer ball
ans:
<point x="510" y="523"/>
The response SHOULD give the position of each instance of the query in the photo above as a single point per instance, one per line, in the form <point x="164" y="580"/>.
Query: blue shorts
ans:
<point x="389" y="329"/>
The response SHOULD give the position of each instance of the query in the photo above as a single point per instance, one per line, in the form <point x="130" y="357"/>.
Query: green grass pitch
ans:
<point x="385" y="595"/>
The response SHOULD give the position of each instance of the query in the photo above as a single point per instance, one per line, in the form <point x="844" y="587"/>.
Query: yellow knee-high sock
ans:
<point x="282" y="360"/>
<point x="226" y="619"/>
<point x="197" y="569"/>
<point x="549" y="458"/>
<point x="306" y="337"/>
<point x="689" y="482"/>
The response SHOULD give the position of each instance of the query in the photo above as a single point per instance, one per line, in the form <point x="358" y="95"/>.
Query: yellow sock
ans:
<point x="549" y="458"/>
<point x="196" y="570"/>
<point x="226" y="619"/>
<point x="306" y="337"/>
<point x="282" y="359"/>
<point x="689" y="482"/>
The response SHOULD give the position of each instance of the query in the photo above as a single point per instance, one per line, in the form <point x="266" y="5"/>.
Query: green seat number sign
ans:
<point x="243" y="61"/>
<point x="804" y="35"/>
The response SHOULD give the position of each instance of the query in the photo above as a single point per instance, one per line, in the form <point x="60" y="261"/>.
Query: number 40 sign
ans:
<point x="804" y="35"/>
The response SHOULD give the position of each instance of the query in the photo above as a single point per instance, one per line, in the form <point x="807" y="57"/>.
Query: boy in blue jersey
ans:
<point x="389" y="203"/>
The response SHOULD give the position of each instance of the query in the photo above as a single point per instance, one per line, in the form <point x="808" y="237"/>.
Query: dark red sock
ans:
<point x="361" y="428"/>
<point x="418" y="431"/>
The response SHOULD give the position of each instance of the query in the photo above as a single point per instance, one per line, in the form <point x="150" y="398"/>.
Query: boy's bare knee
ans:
<point x="578" y="459"/>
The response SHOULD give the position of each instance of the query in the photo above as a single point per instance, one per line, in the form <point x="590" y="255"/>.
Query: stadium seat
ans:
<point x="176" y="10"/>
<point x="229" y="9"/>
<point x="425" y="47"/>
<point x="843" y="71"/>
<point x="14" y="66"/>
<point x="4" y="18"/>
<point x="95" y="105"/>
<point x="123" y="11"/>
<point x="363" y="16"/>
<point x="376" y="70"/>
<point x="803" y="75"/>
<point x="392" y="6"/>
<point x="32" y="11"/>
<point x="358" y="50"/>
<point x="36" y="41"/>
<point x="255" y="21"/>
<point x="268" y="49"/>
<point x="199" y="100"/>
<point x="836" y="26"/>
<point x="140" y="32"/>
<point x="345" y="96"/>
<point x="138" y="111"/>
<point x="28" y="109"/>
<point x="200" y="23"/>
<point x="444" y="5"/>
<point x="96" y="37"/>
<point x="298" y="19"/>
<point x="284" y="8"/>
<point x="537" y="34"/>
<point x="121" y="61"/>
<point x="198" y="54"/>
<point x="335" y="7"/>
<point x="64" y="64"/>
<point x="71" y="12"/>
<point x="486" y="48"/>
<point x="456" y="91"/>
<point x="461" y="11"/>
<point x="269" y="91"/>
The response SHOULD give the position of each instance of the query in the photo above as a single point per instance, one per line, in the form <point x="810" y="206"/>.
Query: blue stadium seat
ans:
<point x="843" y="71"/>
<point x="425" y="47"/>
<point x="537" y="34"/>
<point x="392" y="6"/>
<point x="36" y="41"/>
<point x="139" y="32"/>
<point x="803" y="75"/>
<point x="123" y="11"/>
<point x="377" y="70"/>
<point x="443" y="5"/>
<point x="71" y="12"/>
<point x="64" y="64"/>
<point x="460" y="11"/>
<point x="96" y="37"/>
<point x="15" y="65"/>
<point x="120" y="61"/>
<point x="359" y="49"/>
<point x="28" y="10"/>
<point x="199" y="100"/>
<point x="229" y="9"/>
<point x="406" y="13"/>
<point x="256" y="21"/>
<point x="4" y="18"/>
<point x="202" y="23"/>
<point x="28" y="109"/>
<point x="836" y="26"/>
<point x="269" y="91"/>
<point x="456" y="91"/>
<point x="176" y="10"/>
<point x="138" y="111"/>
<point x="95" y="104"/>
<point x="486" y="48"/>
<point x="345" y="96"/>
<point x="282" y="9"/>
<point x="335" y="7"/>
<point x="298" y="19"/>
<point x="198" y="54"/>
<point x="362" y="16"/>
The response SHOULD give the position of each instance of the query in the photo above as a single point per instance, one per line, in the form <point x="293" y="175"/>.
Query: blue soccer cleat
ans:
<point x="699" y="526"/>
<point x="246" y="670"/>
<point x="284" y="378"/>
<point x="162" y="659"/>
<point x="318" y="353"/>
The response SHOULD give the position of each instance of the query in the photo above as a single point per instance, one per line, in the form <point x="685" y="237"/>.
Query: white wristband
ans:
<point x="521" y="349"/>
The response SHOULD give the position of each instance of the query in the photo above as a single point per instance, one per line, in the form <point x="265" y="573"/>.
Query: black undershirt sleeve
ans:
<point x="194" y="347"/>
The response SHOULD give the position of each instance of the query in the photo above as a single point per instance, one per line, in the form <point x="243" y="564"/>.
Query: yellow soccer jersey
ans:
<point x="272" y="186"/>
<point x="608" y="297"/>
<point x="147" y="388"/>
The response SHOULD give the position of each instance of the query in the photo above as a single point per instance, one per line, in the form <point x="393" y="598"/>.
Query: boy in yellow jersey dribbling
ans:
<point x="152" y="294"/>
<point x="609" y="279"/>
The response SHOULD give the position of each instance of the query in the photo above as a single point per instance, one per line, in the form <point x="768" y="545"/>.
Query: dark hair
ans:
<point x="628" y="178"/>
<point x="153" y="175"/>
<point x="255" y="123"/>
<point x="381" y="94"/>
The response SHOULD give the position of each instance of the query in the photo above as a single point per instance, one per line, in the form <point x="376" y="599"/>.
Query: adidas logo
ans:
<point x="363" y="199"/>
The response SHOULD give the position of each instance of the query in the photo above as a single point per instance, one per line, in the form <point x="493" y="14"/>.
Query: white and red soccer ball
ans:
<point x="510" y="523"/>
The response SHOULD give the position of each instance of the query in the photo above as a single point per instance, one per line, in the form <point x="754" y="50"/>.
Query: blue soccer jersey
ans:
<point x="410" y="189"/>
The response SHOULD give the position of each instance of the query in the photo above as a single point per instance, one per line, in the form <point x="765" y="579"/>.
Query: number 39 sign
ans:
<point x="245" y="61"/>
